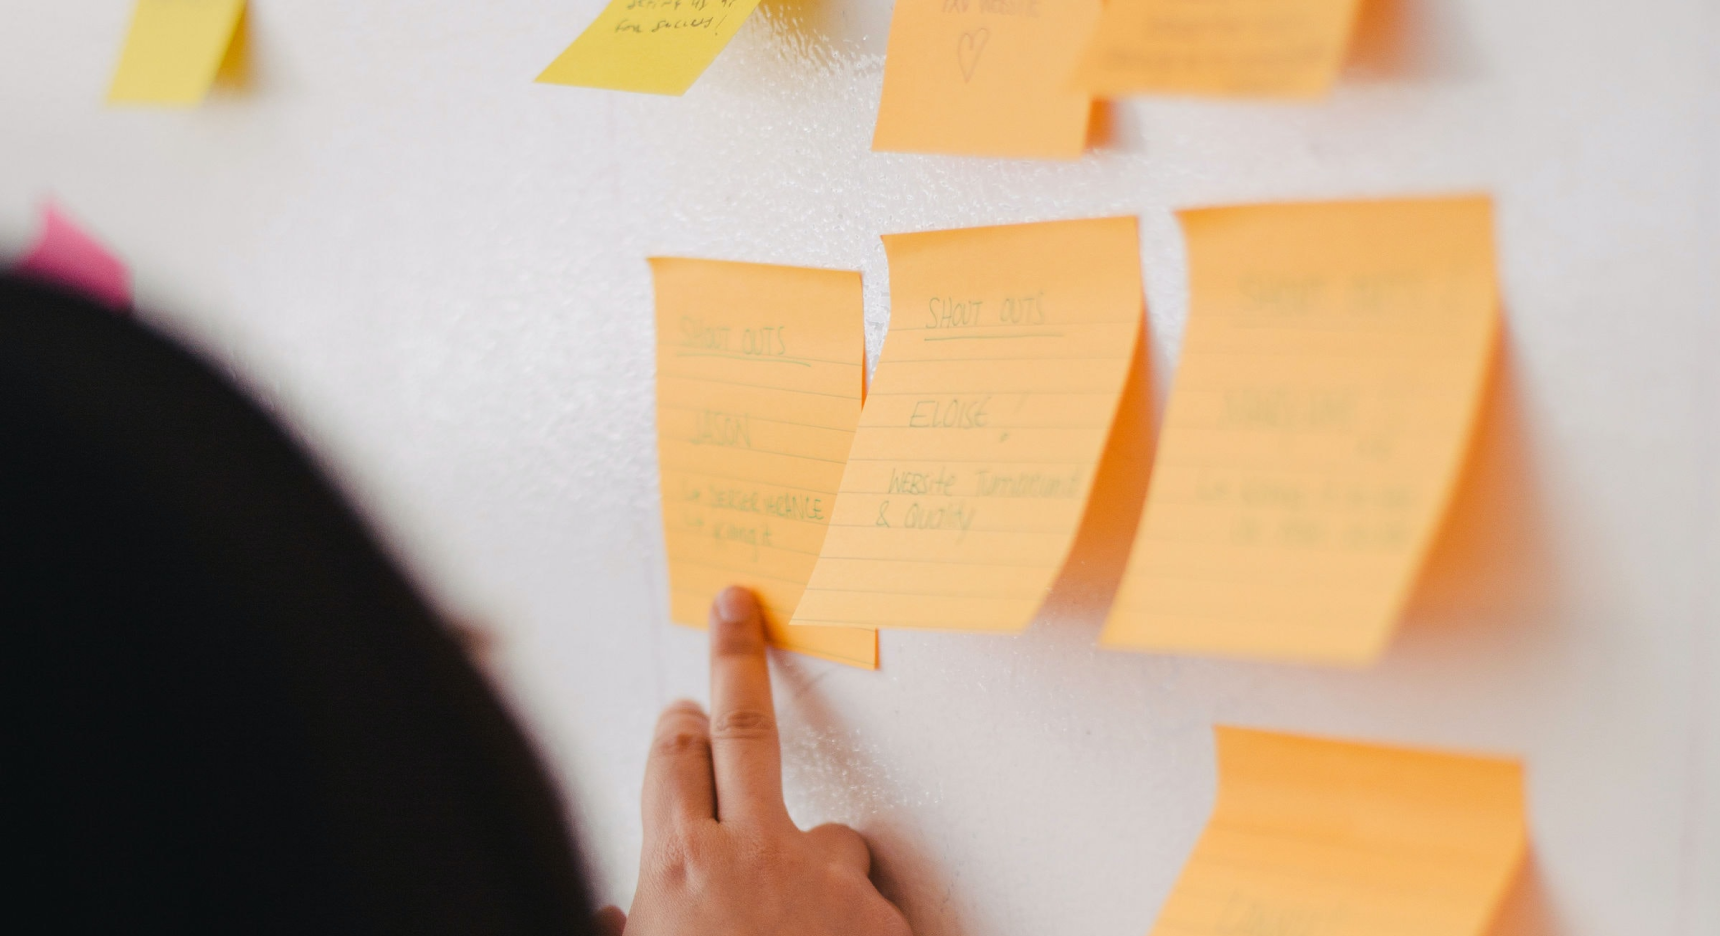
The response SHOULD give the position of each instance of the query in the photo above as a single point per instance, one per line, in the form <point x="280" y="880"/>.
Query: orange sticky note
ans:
<point x="759" y="377"/>
<point x="175" y="49"/>
<point x="1331" y="371"/>
<point x="1344" y="839"/>
<point x="985" y="78"/>
<point x="1227" y="48"/>
<point x="989" y="411"/>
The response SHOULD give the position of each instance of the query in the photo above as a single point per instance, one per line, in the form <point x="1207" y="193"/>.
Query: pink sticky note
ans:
<point x="66" y="255"/>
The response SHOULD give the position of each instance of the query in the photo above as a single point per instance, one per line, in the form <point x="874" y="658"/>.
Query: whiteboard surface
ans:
<point x="434" y="270"/>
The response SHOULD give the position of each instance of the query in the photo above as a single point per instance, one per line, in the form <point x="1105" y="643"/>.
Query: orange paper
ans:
<point x="759" y="376"/>
<point x="1227" y="48"/>
<point x="1343" y="839"/>
<point x="985" y="78"/>
<point x="1331" y="371"/>
<point x="990" y="407"/>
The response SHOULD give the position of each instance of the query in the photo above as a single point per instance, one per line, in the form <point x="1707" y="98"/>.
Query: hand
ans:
<point x="721" y="856"/>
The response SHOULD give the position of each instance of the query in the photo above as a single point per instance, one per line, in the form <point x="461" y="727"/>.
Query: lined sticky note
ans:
<point x="653" y="46"/>
<point x="985" y="78"/>
<point x="174" y="50"/>
<point x="1227" y="48"/>
<point x="1343" y="839"/>
<point x="64" y="254"/>
<point x="760" y="371"/>
<point x="989" y="410"/>
<point x="1331" y="372"/>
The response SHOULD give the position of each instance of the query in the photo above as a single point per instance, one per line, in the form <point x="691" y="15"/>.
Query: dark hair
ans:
<point x="225" y="708"/>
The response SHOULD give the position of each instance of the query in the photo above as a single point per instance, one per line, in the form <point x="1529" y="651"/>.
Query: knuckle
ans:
<point x="678" y="856"/>
<point x="743" y="724"/>
<point x="761" y="851"/>
<point x="679" y="743"/>
<point x="840" y="833"/>
<point x="843" y="845"/>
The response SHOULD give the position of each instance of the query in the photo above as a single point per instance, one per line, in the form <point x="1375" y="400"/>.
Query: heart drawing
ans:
<point x="968" y="48"/>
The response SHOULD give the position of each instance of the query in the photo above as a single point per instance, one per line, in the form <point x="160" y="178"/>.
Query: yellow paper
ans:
<point x="1228" y="48"/>
<point x="989" y="410"/>
<point x="653" y="46"/>
<point x="174" y="50"/>
<point x="759" y="375"/>
<point x="1331" y="372"/>
<point x="1342" y="839"/>
<point x="985" y="78"/>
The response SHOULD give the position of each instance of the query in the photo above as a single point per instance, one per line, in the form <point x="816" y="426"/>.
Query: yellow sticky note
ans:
<point x="989" y="410"/>
<point x="985" y="78"/>
<point x="653" y="46"/>
<point x="1331" y="371"/>
<point x="1344" y="839"/>
<point x="759" y="377"/>
<point x="1228" y="48"/>
<point x="174" y="50"/>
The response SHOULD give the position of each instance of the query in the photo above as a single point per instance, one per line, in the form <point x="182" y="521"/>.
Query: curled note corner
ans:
<point x="66" y="256"/>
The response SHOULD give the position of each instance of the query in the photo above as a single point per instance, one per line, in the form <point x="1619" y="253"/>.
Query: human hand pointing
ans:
<point x="721" y="855"/>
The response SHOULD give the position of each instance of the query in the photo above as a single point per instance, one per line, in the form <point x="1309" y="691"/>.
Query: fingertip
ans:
<point x="735" y="624"/>
<point x="684" y="707"/>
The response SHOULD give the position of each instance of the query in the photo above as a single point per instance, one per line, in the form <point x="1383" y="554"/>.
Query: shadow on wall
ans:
<point x="236" y="74"/>
<point x="822" y="761"/>
<point x="820" y="29"/>
<point x="1492" y="562"/>
<point x="1085" y="588"/>
<point x="1525" y="910"/>
<point x="1102" y="128"/>
<point x="1400" y="41"/>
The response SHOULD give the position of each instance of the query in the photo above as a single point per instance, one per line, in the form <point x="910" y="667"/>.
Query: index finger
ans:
<point x="745" y="753"/>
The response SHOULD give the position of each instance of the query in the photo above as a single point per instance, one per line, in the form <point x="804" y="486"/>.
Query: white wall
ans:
<point x="434" y="268"/>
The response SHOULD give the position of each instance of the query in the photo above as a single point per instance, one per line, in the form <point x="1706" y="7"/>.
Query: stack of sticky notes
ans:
<point x="1332" y="367"/>
<point x="1331" y="373"/>
<point x="1019" y="78"/>
<point x="1008" y="78"/>
<point x="1333" y="363"/>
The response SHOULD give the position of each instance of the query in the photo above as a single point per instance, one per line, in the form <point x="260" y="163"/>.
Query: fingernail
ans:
<point x="735" y="606"/>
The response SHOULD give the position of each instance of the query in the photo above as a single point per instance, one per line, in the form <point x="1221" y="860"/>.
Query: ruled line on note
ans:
<point x="994" y="337"/>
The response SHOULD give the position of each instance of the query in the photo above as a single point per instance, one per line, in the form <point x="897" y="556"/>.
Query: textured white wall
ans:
<point x="434" y="269"/>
